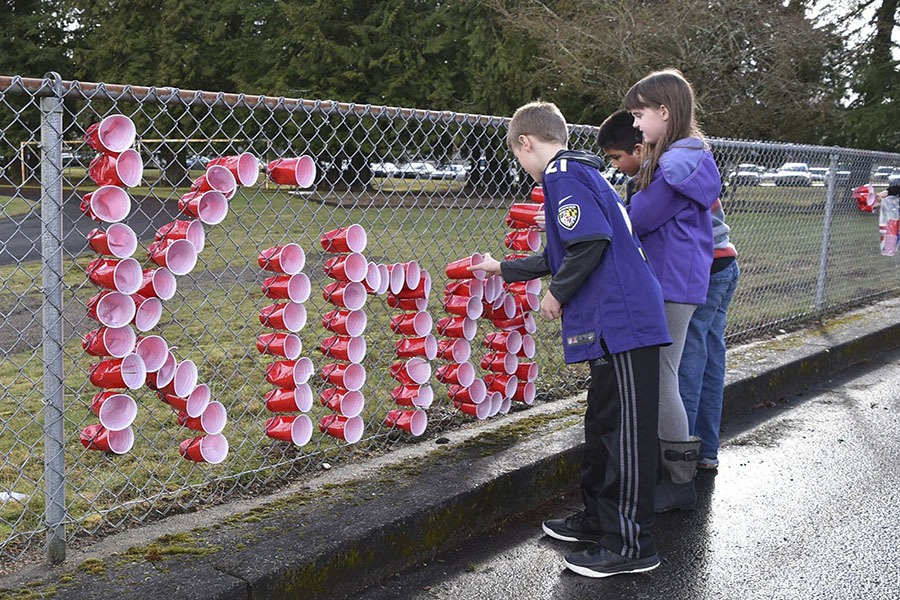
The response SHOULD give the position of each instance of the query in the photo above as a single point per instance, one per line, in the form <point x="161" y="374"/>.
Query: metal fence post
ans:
<point x="822" y="280"/>
<point x="52" y="279"/>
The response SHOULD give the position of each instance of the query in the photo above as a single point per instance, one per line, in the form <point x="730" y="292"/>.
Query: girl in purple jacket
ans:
<point x="676" y="186"/>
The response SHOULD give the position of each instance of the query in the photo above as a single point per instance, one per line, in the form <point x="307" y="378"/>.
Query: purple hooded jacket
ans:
<point x="672" y="219"/>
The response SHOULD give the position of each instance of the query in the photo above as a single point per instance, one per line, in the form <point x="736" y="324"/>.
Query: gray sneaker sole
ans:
<point x="624" y="569"/>
<point x="569" y="538"/>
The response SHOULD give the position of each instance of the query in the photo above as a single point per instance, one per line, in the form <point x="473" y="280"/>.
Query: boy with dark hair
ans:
<point x="612" y="317"/>
<point x="622" y="143"/>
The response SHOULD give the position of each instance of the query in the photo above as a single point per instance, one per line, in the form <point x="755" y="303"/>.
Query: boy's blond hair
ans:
<point x="540" y="119"/>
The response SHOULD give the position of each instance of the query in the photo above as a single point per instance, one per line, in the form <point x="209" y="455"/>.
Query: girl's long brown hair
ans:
<point x="669" y="88"/>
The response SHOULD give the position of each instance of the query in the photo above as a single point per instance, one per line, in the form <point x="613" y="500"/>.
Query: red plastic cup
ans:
<point x="537" y="194"/>
<point x="493" y="288"/>
<point x="344" y="402"/>
<point x="463" y="306"/>
<point x="412" y="274"/>
<point x="183" y="382"/>
<point x="244" y="167"/>
<point x="108" y="203"/>
<point x="418" y="395"/>
<point x="211" y="449"/>
<point x="295" y="288"/>
<point x="373" y="282"/>
<point x="526" y="302"/>
<point x="500" y="362"/>
<point x="502" y="383"/>
<point x="153" y="350"/>
<point x="297" y="429"/>
<point x="345" y="322"/>
<point x="528" y="347"/>
<point x="180" y="229"/>
<point x="526" y="240"/>
<point x="455" y="350"/>
<point x="288" y="259"/>
<point x="425" y="347"/>
<point x="504" y="341"/>
<point x="343" y="347"/>
<point x="299" y="171"/>
<point x="525" y="392"/>
<point x="164" y="375"/>
<point x="116" y="411"/>
<point x="111" y="309"/>
<point x="216" y="179"/>
<point x="211" y="421"/>
<point x="98" y="437"/>
<point x="416" y="324"/>
<point x="503" y="404"/>
<point x="112" y="135"/>
<point x="414" y="371"/>
<point x="514" y="224"/>
<point x="124" y="170"/>
<point x="457" y="327"/>
<point x="474" y="393"/>
<point x="459" y="269"/>
<point x="458" y="373"/>
<point x="119" y="274"/>
<point x="290" y="316"/>
<point x="479" y="411"/>
<point x="158" y="283"/>
<point x="532" y="286"/>
<point x="416" y="304"/>
<point x="117" y="342"/>
<point x="472" y="288"/>
<point x="345" y="294"/>
<point x="351" y="238"/>
<point x="148" y="312"/>
<point x="285" y="345"/>
<point x="193" y="404"/>
<point x="295" y="399"/>
<point x="385" y="272"/>
<point x="503" y="307"/>
<point x="347" y="267"/>
<point x="523" y="322"/>
<point x="178" y="256"/>
<point x="211" y="207"/>
<point x="119" y="240"/>
<point x="396" y="278"/>
<point x="350" y="376"/>
<point x="126" y="372"/>
<point x="349" y="429"/>
<point x="290" y="373"/>
<point x="411" y="421"/>
<point x="527" y="371"/>
<point x="525" y="212"/>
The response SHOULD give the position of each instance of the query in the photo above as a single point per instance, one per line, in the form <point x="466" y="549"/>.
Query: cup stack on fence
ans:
<point x="463" y="300"/>
<point x="345" y="378"/>
<point x="289" y="373"/>
<point x="409" y="291"/>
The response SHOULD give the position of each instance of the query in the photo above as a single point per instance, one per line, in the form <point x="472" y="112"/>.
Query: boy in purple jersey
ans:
<point x="612" y="317"/>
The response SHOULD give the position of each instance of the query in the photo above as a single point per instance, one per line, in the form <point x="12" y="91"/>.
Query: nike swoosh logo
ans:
<point x="564" y="199"/>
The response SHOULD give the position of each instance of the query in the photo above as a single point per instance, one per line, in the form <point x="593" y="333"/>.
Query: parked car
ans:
<point x="383" y="169"/>
<point x="451" y="171"/>
<point x="842" y="174"/>
<point x="416" y="170"/>
<point x="745" y="174"/>
<point x="794" y="174"/>
<point x="197" y="161"/>
<point x="882" y="173"/>
<point x="818" y="173"/>
<point x="894" y="179"/>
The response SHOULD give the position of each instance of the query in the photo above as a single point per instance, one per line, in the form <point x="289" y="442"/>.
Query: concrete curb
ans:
<point x="362" y="523"/>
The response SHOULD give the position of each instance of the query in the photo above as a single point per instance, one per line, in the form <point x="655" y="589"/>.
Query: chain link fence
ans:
<point x="426" y="187"/>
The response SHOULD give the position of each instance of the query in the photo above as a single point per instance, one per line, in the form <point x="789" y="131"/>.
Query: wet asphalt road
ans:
<point x="805" y="505"/>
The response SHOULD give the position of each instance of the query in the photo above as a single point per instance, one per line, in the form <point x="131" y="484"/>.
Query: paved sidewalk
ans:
<point x="353" y="525"/>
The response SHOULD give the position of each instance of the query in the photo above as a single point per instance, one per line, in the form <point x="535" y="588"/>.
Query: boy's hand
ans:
<point x="488" y="264"/>
<point x="540" y="220"/>
<point x="550" y="307"/>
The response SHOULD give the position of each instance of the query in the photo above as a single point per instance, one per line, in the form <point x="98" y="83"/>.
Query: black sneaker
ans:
<point x="576" y="527"/>
<point x="598" y="561"/>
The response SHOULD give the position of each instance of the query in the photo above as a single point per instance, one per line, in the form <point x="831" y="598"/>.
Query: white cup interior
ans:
<point x="352" y="403"/>
<point x="247" y="170"/>
<point x="127" y="276"/>
<point x="301" y="430"/>
<point x="134" y="372"/>
<point x="419" y="370"/>
<point x="214" y="418"/>
<point x="121" y="239"/>
<point x="220" y="178"/>
<point x="147" y="315"/>
<point x="110" y="203"/>
<point x="214" y="448"/>
<point x="118" y="341"/>
<point x="130" y="167"/>
<point x="294" y="316"/>
<point x="179" y="257"/>
<point x="303" y="397"/>
<point x="121" y="441"/>
<point x="353" y="429"/>
<point x="303" y="370"/>
<point x="299" y="288"/>
<point x="185" y="379"/>
<point x="114" y="309"/>
<point x="212" y="208"/>
<point x="198" y="401"/>
<point x="117" y="412"/>
<point x="116" y="133"/>
<point x="154" y="350"/>
<point x="422" y="323"/>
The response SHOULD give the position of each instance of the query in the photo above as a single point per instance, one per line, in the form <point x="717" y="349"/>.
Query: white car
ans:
<point x="793" y="174"/>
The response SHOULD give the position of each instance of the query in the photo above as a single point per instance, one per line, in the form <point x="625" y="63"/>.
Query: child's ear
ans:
<point x="524" y="142"/>
<point x="664" y="112"/>
<point x="638" y="149"/>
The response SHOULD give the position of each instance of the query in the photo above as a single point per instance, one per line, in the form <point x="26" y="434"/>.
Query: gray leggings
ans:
<point x="673" y="422"/>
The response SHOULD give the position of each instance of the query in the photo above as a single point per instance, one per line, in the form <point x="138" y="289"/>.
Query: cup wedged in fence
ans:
<point x="178" y="256"/>
<point x="480" y="411"/>
<point x="414" y="371"/>
<point x="350" y="376"/>
<point x="345" y="322"/>
<point x="454" y="349"/>
<point x="118" y="274"/>
<point x="116" y="342"/>
<point x="500" y="362"/>
<point x="418" y="395"/>
<point x="285" y="345"/>
<point x="503" y="405"/>
<point x="193" y="404"/>
<point x="295" y="399"/>
<point x="111" y="135"/>
<point x="422" y="289"/>
<point x="532" y="286"/>
<point x="244" y="167"/>
<point x="98" y="437"/>
<point x="525" y="212"/>
<point x="119" y="240"/>
<point x="288" y="259"/>
<point x="459" y="373"/>
<point x="412" y="274"/>
<point x="503" y="307"/>
<point x="160" y="378"/>
<point x="349" y="429"/>
<point x="523" y="322"/>
<point x="459" y="269"/>
<point x="537" y="194"/>
<point x="295" y="288"/>
<point x="108" y="203"/>
<point x="211" y="207"/>
<point x="297" y="429"/>
<point x="396" y="278"/>
<point x="148" y="312"/>
<point x="474" y="393"/>
<point x="411" y="421"/>
<point x="415" y="304"/>
<point x="115" y="409"/>
<point x="290" y="373"/>
<point x="216" y="179"/>
<point x="528" y="348"/>
<point x="526" y="240"/>
<point x="181" y="229"/>
<point x="425" y="346"/>
<point x="352" y="266"/>
<point x="527" y="371"/>
<point x="502" y="383"/>
<point x="525" y="392"/>
<point x="503" y="341"/>
<point x="417" y="324"/>
<point x="126" y="372"/>
<point x="184" y="380"/>
<point x="111" y="309"/>
<point x="158" y="283"/>
<point x="349" y="403"/>
<point x="457" y="327"/>
<point x="374" y="283"/>
<point x="344" y="347"/>
<point x="470" y="307"/>
<point x="526" y="302"/>
<point x="211" y="449"/>
<point x="351" y="238"/>
<point x="493" y="288"/>
<point x="154" y="350"/>
<point x="299" y="171"/>
<point x="471" y="288"/>
<point x="124" y="170"/>
<point x="212" y="420"/>
<point x="345" y="294"/>
<point x="290" y="316"/>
